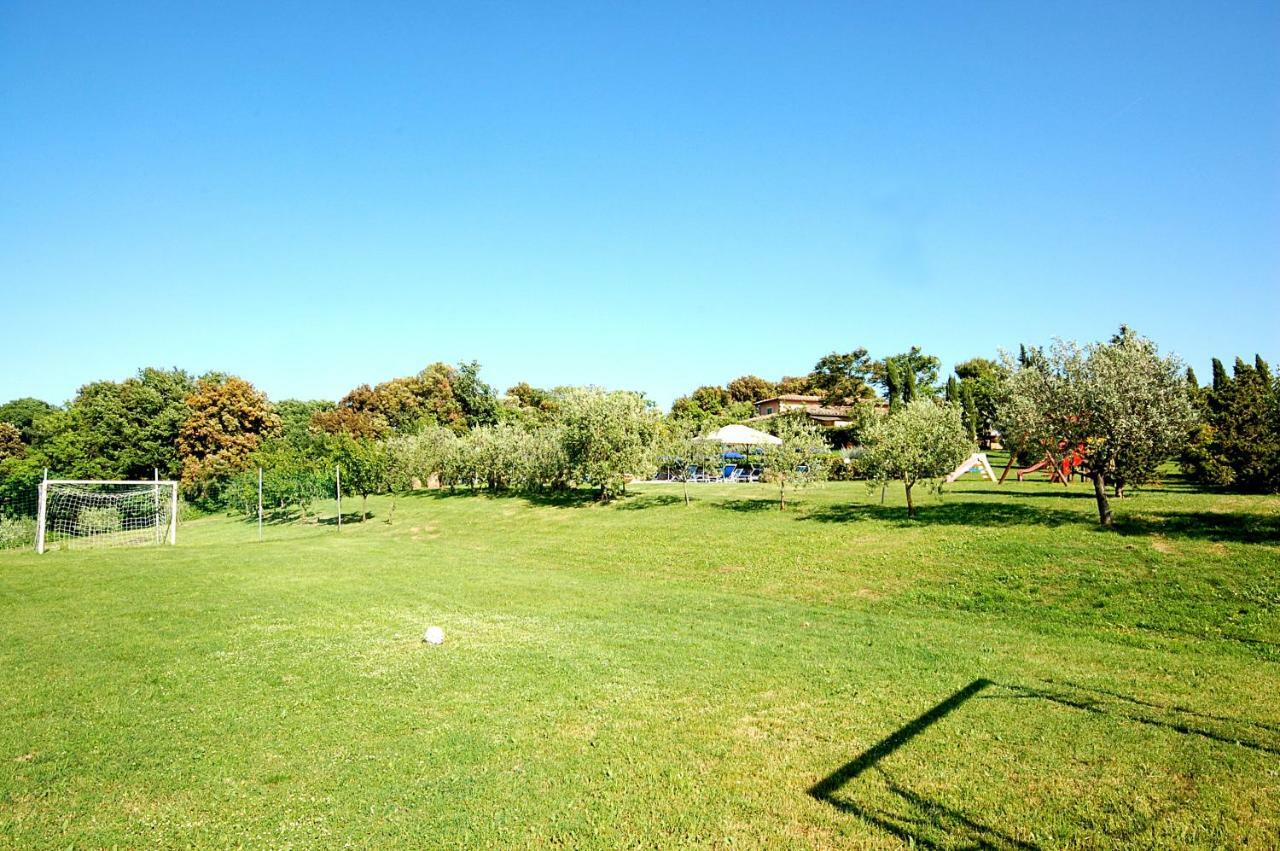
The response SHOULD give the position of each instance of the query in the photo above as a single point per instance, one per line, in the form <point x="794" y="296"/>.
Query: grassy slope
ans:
<point x="650" y="674"/>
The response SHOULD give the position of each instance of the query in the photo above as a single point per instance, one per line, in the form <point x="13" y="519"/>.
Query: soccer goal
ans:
<point x="87" y="513"/>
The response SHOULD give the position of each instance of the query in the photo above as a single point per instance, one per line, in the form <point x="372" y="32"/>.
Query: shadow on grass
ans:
<point x="748" y="506"/>
<point x="927" y="823"/>
<point x="349" y="518"/>
<point x="568" y="498"/>
<point x="638" y="502"/>
<point x="924" y="817"/>
<point x="1163" y="707"/>
<point x="1246" y="528"/>
<point x="1263" y="648"/>
<point x="282" y="517"/>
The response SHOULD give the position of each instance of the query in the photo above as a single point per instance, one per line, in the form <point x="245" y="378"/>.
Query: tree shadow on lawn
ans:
<point x="639" y="502"/>
<point x="1232" y="527"/>
<point x="349" y="518"/>
<point x="567" y="498"/>
<point x="754" y="505"/>
<point x="929" y="823"/>
<point x="292" y="516"/>
<point x="572" y="498"/>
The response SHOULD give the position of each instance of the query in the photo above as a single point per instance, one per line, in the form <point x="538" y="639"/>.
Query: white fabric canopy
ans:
<point x="740" y="435"/>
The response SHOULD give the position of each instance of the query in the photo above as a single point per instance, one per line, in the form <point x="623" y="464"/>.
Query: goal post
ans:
<point x="93" y="513"/>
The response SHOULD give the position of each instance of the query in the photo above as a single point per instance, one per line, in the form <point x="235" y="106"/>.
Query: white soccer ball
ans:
<point x="435" y="635"/>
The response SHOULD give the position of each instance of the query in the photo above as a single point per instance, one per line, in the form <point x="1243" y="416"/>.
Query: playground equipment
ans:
<point x="975" y="463"/>
<point x="1059" y="470"/>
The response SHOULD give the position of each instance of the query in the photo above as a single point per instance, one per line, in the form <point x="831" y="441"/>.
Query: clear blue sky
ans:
<point x="652" y="197"/>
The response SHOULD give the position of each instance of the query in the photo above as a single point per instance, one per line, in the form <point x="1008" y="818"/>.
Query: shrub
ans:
<point x="17" y="532"/>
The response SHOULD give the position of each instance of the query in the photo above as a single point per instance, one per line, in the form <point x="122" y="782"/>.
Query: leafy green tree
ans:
<point x="350" y="421"/>
<point x="11" y="445"/>
<point x="952" y="393"/>
<point x="529" y="405"/>
<point x="1120" y="404"/>
<point x="923" y="368"/>
<point x="984" y="378"/>
<point x="750" y="388"/>
<point x="227" y="419"/>
<point x="294" y="476"/>
<point x="23" y="414"/>
<point x="363" y="463"/>
<point x="295" y="419"/>
<point x="477" y="399"/>
<point x="440" y="404"/>
<point x="922" y="442"/>
<point x="709" y="406"/>
<point x="839" y="377"/>
<point x="909" y="393"/>
<point x="124" y="429"/>
<point x="800" y="459"/>
<point x="796" y="385"/>
<point x="19" y="479"/>
<point x="711" y="399"/>
<point x="438" y="395"/>
<point x="607" y="437"/>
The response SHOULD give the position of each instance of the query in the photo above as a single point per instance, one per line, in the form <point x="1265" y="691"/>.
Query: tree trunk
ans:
<point x="1100" y="492"/>
<point x="364" y="507"/>
<point x="911" y="506"/>
<point x="782" y="494"/>
<point x="684" y="480"/>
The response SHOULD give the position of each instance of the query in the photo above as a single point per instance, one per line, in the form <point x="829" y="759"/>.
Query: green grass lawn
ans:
<point x="999" y="674"/>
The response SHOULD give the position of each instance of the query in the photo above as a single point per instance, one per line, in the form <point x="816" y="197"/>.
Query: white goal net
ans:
<point x="81" y="514"/>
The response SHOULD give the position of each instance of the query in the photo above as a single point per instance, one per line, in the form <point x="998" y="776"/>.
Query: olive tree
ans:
<point x="800" y="459"/>
<point x="922" y="442"/>
<point x="683" y="451"/>
<point x="607" y="436"/>
<point x="1121" y="405"/>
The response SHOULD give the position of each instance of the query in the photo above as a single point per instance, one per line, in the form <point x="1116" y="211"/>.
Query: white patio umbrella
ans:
<point x="740" y="435"/>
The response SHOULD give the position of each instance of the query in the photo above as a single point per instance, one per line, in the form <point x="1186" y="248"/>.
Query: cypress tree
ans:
<point x="893" y="384"/>
<point x="952" y="394"/>
<point x="1022" y="354"/>
<point x="1191" y="379"/>
<point x="1217" y="396"/>
<point x="969" y="410"/>
<point x="1219" y="375"/>
<point x="908" y="384"/>
<point x="1262" y="367"/>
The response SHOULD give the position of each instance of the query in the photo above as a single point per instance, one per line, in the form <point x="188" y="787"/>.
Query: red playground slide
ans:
<point x="1033" y="468"/>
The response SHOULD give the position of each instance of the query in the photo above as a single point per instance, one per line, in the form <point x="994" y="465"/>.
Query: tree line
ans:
<point x="1119" y="405"/>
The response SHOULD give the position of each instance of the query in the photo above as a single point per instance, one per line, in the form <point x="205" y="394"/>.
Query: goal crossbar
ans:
<point x="111" y="482"/>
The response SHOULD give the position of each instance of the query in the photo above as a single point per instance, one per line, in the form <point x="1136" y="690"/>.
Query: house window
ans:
<point x="769" y="410"/>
